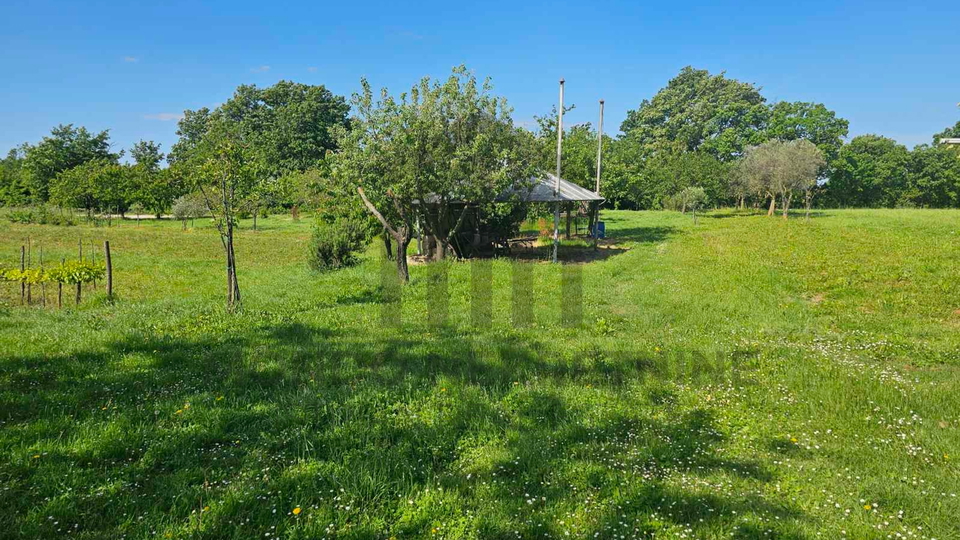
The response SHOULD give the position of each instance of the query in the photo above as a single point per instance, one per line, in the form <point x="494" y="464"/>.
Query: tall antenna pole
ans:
<point x="596" y="211"/>
<point x="556" y="184"/>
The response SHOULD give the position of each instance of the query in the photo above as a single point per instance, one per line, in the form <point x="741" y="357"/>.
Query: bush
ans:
<point x="334" y="245"/>
<point x="40" y="215"/>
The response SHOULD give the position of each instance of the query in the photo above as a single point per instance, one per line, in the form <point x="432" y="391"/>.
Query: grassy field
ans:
<point x="742" y="378"/>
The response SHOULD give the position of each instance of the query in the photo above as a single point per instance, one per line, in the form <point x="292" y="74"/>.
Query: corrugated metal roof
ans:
<point x="541" y="190"/>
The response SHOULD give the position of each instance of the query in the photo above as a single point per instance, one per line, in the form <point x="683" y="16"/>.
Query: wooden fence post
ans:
<point x="106" y="254"/>
<point x="23" y="266"/>
<point x="63" y="261"/>
<point x="29" y="264"/>
<point x="43" y="284"/>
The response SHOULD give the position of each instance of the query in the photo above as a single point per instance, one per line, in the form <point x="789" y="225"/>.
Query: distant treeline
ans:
<point x="692" y="133"/>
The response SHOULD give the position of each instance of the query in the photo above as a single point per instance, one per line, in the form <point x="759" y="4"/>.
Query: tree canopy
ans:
<point x="700" y="111"/>
<point x="416" y="154"/>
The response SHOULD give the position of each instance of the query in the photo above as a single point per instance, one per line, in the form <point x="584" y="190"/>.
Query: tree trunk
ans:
<point x="255" y="212"/>
<point x="773" y="205"/>
<point x="441" y="250"/>
<point x="233" y="287"/>
<point x="786" y="204"/>
<point x="402" y="269"/>
<point x="23" y="266"/>
<point x="808" y="198"/>
<point x="387" y="247"/>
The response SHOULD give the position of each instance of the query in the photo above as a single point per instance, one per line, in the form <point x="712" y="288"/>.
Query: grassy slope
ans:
<point x="745" y="378"/>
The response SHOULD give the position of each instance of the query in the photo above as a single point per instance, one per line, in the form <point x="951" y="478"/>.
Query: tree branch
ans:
<point x="376" y="213"/>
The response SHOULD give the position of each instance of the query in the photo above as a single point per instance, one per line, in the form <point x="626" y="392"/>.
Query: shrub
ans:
<point x="40" y="215"/>
<point x="334" y="245"/>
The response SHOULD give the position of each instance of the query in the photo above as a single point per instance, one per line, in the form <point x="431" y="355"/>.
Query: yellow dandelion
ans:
<point x="219" y="398"/>
<point x="296" y="511"/>
<point x="206" y="508"/>
<point x="179" y="411"/>
<point x="867" y="507"/>
<point x="186" y="406"/>
<point x="36" y="456"/>
<point x="793" y="439"/>
<point x="443" y="389"/>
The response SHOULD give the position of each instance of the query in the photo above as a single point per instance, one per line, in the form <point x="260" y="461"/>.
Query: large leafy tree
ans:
<point x="289" y="123"/>
<point x="870" y="171"/>
<point x="420" y="153"/>
<point x="700" y="111"/>
<point x="235" y="154"/>
<point x="153" y="187"/>
<point x="933" y="178"/>
<point x="13" y="190"/>
<point x="790" y="121"/>
<point x="65" y="148"/>
<point x="100" y="184"/>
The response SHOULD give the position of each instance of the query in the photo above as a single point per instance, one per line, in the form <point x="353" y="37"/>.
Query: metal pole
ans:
<point x="556" y="184"/>
<point x="596" y="211"/>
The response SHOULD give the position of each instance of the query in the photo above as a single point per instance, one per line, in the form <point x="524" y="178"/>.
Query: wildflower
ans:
<point x="296" y="511"/>
<point x="206" y="508"/>
<point x="179" y="411"/>
<point x="867" y="507"/>
<point x="219" y="398"/>
<point x="793" y="439"/>
<point x="36" y="456"/>
<point x="443" y="389"/>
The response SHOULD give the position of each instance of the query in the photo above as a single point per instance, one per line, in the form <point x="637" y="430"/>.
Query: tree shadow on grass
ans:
<point x="485" y="436"/>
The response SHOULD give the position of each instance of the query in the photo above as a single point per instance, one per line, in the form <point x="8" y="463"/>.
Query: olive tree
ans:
<point x="778" y="169"/>
<point x="693" y="198"/>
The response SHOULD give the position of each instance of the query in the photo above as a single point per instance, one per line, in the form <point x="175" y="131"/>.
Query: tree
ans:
<point x="223" y="167"/>
<point x="153" y="188"/>
<point x="189" y="206"/>
<point x="870" y="171"/>
<point x="418" y="155"/>
<point x="802" y="162"/>
<point x="13" y="190"/>
<point x="933" y="177"/>
<point x="791" y="121"/>
<point x="65" y="148"/>
<point x="289" y="123"/>
<point x="780" y="169"/>
<point x="693" y="198"/>
<point x="234" y="154"/>
<point x="95" y="185"/>
<point x="579" y="160"/>
<point x="700" y="111"/>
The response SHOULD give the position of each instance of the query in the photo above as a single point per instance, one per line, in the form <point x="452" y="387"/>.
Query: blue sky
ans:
<point x="890" y="68"/>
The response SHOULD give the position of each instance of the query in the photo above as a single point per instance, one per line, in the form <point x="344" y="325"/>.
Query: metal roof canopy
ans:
<point x="949" y="141"/>
<point x="541" y="190"/>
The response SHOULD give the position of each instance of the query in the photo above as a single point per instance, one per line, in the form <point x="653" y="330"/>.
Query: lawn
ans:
<point x="743" y="378"/>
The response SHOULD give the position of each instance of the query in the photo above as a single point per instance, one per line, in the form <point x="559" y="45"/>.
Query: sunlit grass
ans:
<point x="742" y="378"/>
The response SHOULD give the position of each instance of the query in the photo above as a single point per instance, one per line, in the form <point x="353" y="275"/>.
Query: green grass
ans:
<point x="744" y="378"/>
